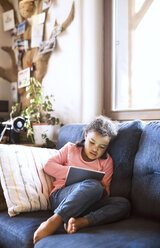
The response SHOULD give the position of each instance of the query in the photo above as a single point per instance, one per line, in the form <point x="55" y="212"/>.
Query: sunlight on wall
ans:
<point x="75" y="71"/>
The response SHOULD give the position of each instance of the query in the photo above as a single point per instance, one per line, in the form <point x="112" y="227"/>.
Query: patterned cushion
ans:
<point x="26" y="187"/>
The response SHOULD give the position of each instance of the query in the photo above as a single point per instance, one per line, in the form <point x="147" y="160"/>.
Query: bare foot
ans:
<point x="47" y="228"/>
<point x="74" y="225"/>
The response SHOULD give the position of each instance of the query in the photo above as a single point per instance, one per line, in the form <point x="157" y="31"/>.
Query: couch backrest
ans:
<point x="146" y="176"/>
<point x="70" y="133"/>
<point x="122" y="150"/>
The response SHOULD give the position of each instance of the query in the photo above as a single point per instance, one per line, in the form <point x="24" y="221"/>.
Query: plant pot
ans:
<point x="51" y="131"/>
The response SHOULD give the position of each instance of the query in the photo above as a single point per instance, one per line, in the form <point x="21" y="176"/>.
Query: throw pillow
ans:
<point x="26" y="187"/>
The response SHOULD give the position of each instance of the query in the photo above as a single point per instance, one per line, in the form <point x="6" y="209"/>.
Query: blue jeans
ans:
<point x="85" y="199"/>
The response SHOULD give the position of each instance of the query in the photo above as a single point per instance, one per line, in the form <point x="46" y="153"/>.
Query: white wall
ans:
<point x="75" y="69"/>
<point x="92" y="60"/>
<point x="63" y="78"/>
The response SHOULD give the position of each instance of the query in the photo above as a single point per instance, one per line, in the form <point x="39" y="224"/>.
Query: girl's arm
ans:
<point x="56" y="166"/>
<point x="107" y="167"/>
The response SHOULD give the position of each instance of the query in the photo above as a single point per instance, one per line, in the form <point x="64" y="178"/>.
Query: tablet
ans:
<point x="77" y="174"/>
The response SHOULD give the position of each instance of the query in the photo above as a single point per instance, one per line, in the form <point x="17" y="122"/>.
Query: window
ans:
<point x="132" y="55"/>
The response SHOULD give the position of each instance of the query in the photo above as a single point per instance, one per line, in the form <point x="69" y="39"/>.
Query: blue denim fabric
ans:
<point x="108" y="210"/>
<point x="85" y="199"/>
<point x="73" y="200"/>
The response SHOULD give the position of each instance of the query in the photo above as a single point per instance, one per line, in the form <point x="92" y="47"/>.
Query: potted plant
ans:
<point x="40" y="122"/>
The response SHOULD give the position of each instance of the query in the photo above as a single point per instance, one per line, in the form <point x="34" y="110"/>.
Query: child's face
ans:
<point x="95" y="145"/>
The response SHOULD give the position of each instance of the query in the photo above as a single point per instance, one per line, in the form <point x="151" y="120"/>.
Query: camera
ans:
<point x="12" y="128"/>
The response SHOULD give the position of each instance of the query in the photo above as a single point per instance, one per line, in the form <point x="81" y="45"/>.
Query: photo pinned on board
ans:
<point x="8" y="20"/>
<point x="24" y="78"/>
<point x="47" y="46"/>
<point x="21" y="28"/>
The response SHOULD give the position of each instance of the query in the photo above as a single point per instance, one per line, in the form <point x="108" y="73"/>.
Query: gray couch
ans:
<point x="136" y="156"/>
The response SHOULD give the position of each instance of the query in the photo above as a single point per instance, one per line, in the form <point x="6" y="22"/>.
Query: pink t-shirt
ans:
<point x="70" y="155"/>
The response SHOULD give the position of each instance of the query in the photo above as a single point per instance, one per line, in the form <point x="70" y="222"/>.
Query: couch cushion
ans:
<point x="70" y="133"/>
<point x="17" y="232"/>
<point x="26" y="187"/>
<point x="146" y="177"/>
<point x="122" y="150"/>
<point x="129" y="233"/>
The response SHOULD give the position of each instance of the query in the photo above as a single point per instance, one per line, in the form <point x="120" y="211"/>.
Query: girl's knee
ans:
<point x="120" y="200"/>
<point x="123" y="201"/>
<point x="124" y="204"/>
<point x="95" y="186"/>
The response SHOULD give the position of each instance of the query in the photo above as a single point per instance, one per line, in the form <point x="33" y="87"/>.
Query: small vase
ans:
<point x="51" y="131"/>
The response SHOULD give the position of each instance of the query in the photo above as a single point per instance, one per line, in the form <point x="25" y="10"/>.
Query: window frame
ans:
<point x="121" y="115"/>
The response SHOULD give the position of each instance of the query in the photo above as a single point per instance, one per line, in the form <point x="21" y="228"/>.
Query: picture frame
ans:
<point x="23" y="78"/>
<point x="47" y="46"/>
<point x="8" y="20"/>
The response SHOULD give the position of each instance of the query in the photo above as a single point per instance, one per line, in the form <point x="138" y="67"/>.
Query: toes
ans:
<point x="70" y="227"/>
<point x="73" y="230"/>
<point x="35" y="238"/>
<point x="65" y="226"/>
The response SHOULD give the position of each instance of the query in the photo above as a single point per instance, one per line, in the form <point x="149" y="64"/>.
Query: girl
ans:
<point x="85" y="203"/>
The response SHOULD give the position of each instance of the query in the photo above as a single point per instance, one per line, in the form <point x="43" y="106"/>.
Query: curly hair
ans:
<point x="102" y="125"/>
